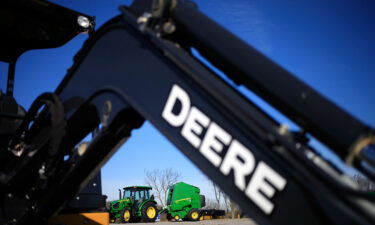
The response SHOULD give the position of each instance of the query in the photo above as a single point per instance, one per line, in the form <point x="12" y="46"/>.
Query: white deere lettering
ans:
<point x="264" y="181"/>
<point x="241" y="160"/>
<point x="214" y="142"/>
<point x="258" y="183"/>
<point x="177" y="93"/>
<point x="194" y="125"/>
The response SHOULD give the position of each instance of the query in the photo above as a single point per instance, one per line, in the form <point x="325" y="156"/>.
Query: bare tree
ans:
<point x="160" y="180"/>
<point x="230" y="205"/>
<point x="153" y="181"/>
<point x="210" y="203"/>
<point x="217" y="193"/>
<point x="226" y="201"/>
<point x="233" y="208"/>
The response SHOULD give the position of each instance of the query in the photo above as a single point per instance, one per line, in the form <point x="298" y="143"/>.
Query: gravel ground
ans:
<point x="204" y="222"/>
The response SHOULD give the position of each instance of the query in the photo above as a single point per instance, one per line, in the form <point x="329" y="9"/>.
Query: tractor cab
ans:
<point x="136" y="193"/>
<point x="135" y="204"/>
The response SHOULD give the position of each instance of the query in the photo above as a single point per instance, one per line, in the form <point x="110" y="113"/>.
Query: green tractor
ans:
<point x="134" y="205"/>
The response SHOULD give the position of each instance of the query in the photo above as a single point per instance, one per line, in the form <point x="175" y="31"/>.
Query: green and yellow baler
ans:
<point x="184" y="202"/>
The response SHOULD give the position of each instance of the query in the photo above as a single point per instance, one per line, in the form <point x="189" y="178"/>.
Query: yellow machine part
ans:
<point x="97" y="218"/>
<point x="205" y="218"/>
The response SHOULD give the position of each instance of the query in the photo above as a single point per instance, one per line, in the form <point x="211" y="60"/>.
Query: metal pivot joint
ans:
<point x="158" y="18"/>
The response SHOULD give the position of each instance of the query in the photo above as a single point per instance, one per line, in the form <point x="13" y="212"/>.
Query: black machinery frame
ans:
<point x="129" y="70"/>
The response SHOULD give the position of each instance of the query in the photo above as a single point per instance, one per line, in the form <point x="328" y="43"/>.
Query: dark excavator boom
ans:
<point x="140" y="66"/>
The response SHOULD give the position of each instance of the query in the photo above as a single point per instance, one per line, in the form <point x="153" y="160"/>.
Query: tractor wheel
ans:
<point x="177" y="218"/>
<point x="112" y="219"/>
<point x="149" y="212"/>
<point x="125" y="216"/>
<point x="194" y="215"/>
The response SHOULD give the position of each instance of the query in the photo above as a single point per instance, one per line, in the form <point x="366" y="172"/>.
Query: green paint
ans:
<point x="133" y="199"/>
<point x="182" y="198"/>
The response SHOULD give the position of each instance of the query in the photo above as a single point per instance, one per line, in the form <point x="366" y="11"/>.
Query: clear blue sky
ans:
<point x="328" y="44"/>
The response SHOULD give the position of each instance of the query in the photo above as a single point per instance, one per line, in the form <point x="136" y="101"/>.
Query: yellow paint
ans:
<point x="182" y="200"/>
<point x="151" y="212"/>
<point x="99" y="218"/>
<point x="206" y="217"/>
<point x="195" y="215"/>
<point x="127" y="216"/>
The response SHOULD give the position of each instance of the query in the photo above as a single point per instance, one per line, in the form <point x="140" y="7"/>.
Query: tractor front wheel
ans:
<point x="149" y="212"/>
<point x="194" y="215"/>
<point x="125" y="216"/>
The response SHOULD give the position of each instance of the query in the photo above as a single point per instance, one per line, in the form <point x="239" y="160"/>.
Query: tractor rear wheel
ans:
<point x="194" y="215"/>
<point x="149" y="212"/>
<point x="125" y="216"/>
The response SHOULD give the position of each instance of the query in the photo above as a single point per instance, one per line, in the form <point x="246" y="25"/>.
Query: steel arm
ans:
<point x="139" y="66"/>
<point x="146" y="69"/>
